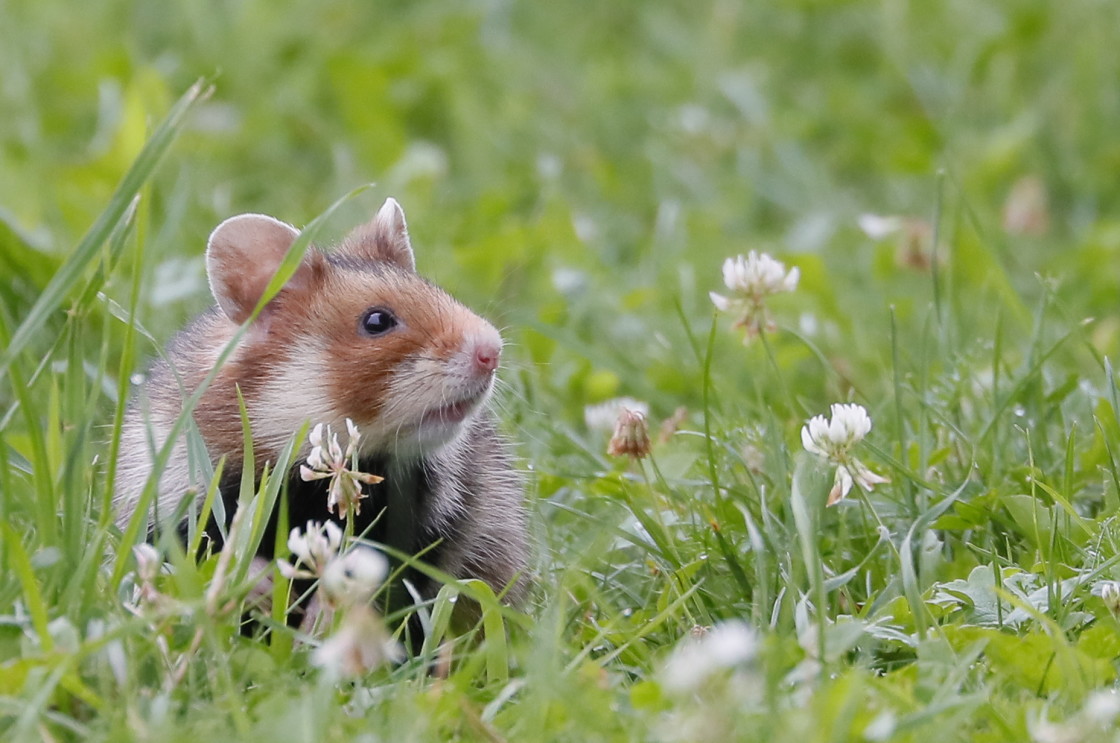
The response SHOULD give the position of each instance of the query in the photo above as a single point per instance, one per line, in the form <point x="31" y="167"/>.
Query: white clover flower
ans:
<point x="758" y="274"/>
<point x="346" y="577"/>
<point x="751" y="279"/>
<point x="361" y="644"/>
<point x="602" y="417"/>
<point x="353" y="578"/>
<point x="345" y="487"/>
<point x="834" y="440"/>
<point x="146" y="598"/>
<point x="698" y="657"/>
<point x="315" y="547"/>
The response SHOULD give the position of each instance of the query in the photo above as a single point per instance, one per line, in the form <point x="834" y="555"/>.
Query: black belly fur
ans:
<point x="396" y="512"/>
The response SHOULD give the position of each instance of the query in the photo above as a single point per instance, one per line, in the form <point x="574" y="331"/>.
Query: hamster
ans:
<point x="355" y="333"/>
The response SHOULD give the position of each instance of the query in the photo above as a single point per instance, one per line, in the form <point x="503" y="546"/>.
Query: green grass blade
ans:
<point x="20" y="564"/>
<point x="68" y="276"/>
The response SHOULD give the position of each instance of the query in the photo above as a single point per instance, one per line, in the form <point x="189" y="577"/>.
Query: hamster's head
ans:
<point x="355" y="333"/>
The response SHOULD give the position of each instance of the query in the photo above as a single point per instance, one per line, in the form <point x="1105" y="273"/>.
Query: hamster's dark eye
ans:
<point x="378" y="320"/>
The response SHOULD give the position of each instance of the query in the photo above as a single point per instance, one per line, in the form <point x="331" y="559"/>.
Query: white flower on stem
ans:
<point x="314" y="548"/>
<point x="146" y="597"/>
<point x="346" y="577"/>
<point x="700" y="655"/>
<point x="330" y="461"/>
<point x="834" y="440"/>
<point x="361" y="644"/>
<point x="751" y="279"/>
<point x="353" y="578"/>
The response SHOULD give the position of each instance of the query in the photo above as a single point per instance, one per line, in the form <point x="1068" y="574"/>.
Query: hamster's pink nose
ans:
<point x="486" y="356"/>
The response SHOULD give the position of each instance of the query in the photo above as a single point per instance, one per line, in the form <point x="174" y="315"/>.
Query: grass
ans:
<point x="578" y="174"/>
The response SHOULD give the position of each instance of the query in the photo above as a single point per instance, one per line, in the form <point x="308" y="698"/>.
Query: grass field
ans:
<point x="942" y="174"/>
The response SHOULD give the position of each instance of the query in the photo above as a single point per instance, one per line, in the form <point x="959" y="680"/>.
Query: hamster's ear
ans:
<point x="383" y="239"/>
<point x="243" y="255"/>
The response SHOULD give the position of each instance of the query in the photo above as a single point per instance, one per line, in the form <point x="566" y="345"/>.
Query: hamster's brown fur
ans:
<point x="417" y="392"/>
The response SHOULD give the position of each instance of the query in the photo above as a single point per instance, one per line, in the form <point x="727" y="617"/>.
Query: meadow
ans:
<point x="942" y="175"/>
